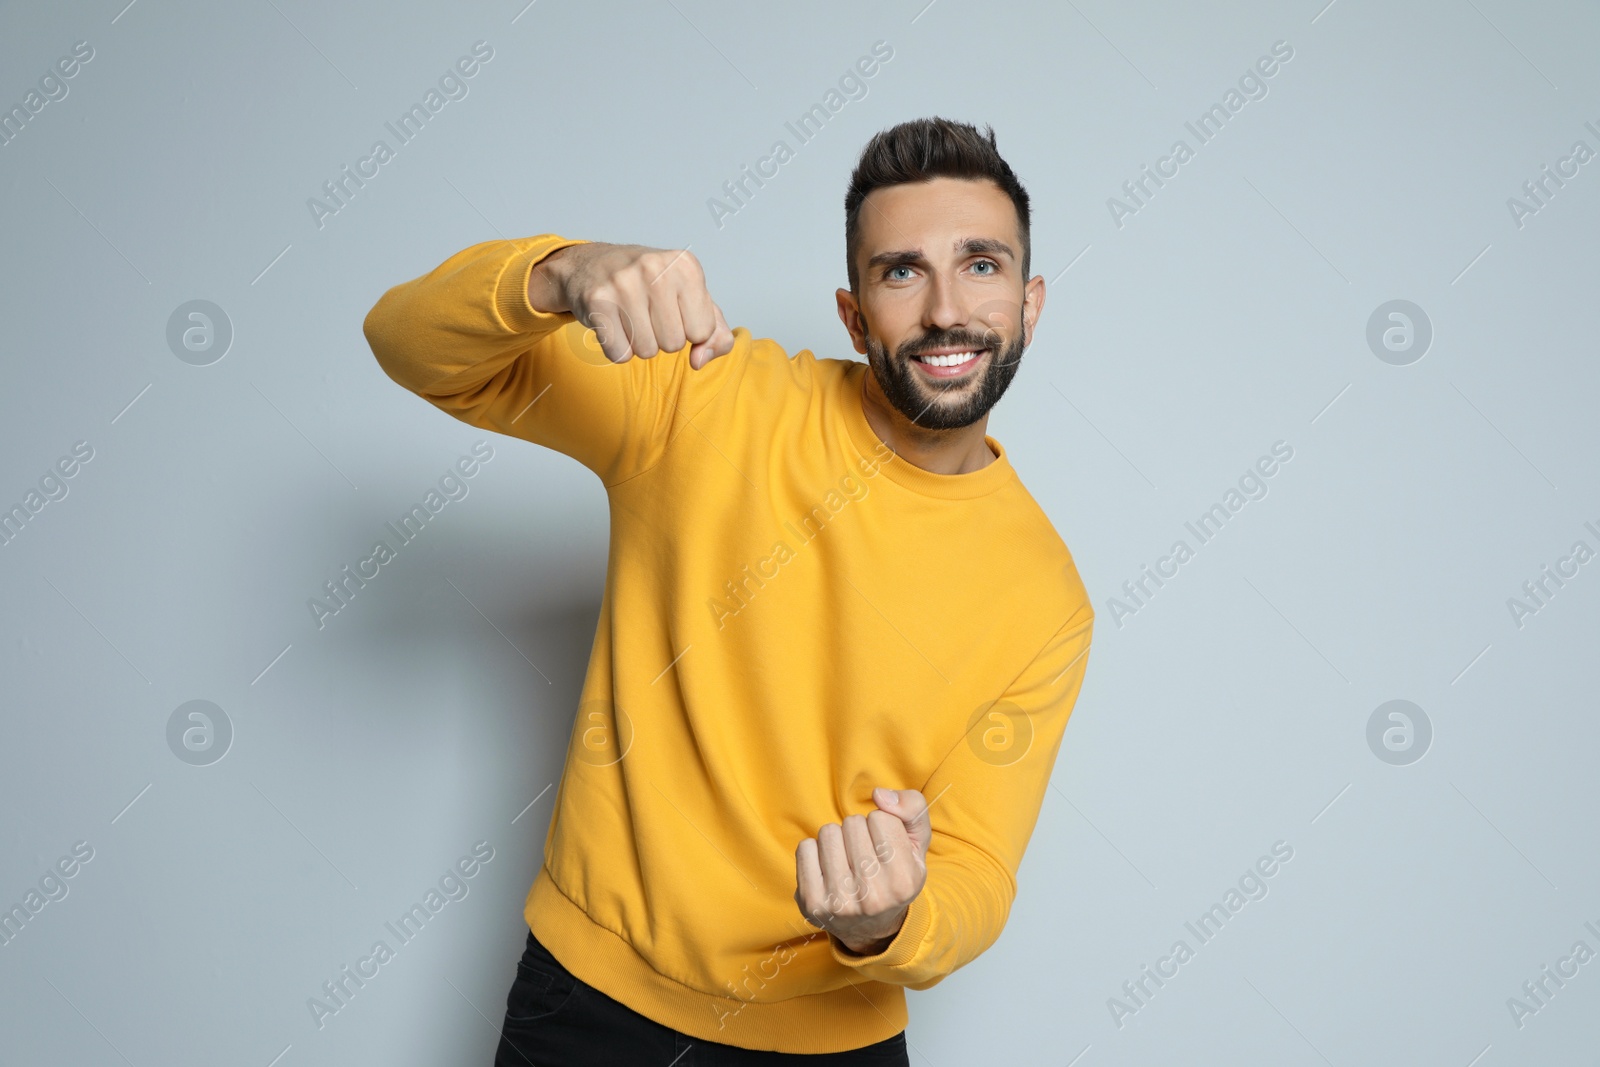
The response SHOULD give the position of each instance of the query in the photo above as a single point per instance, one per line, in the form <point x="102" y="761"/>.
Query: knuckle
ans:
<point x="625" y="285"/>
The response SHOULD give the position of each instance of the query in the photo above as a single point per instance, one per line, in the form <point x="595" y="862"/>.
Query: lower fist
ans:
<point x="857" y="880"/>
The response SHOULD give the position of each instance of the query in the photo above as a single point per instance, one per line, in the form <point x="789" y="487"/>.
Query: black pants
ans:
<point x="554" y="1019"/>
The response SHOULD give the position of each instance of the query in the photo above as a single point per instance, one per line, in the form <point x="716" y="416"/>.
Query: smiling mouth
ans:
<point x="949" y="366"/>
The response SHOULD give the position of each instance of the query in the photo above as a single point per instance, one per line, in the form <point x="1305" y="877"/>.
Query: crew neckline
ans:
<point x="902" y="471"/>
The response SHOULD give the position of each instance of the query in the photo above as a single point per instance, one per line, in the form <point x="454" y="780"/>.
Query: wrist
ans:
<point x="876" y="945"/>
<point x="547" y="282"/>
<point x="868" y="949"/>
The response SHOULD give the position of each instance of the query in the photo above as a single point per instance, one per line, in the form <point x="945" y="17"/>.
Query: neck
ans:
<point x="959" y="451"/>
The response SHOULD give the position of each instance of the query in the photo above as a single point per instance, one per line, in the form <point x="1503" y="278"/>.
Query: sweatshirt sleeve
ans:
<point x="465" y="338"/>
<point x="984" y="802"/>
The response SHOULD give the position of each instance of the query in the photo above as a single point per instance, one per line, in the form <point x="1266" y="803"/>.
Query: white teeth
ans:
<point x="948" y="361"/>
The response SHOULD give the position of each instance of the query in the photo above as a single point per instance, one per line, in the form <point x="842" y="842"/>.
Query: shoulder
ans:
<point x="1053" y="566"/>
<point x="765" y="369"/>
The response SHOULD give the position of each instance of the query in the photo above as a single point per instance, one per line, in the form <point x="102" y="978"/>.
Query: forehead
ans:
<point x="932" y="215"/>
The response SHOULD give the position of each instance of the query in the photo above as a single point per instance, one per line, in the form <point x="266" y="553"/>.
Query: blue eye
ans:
<point x="987" y="263"/>
<point x="891" y="270"/>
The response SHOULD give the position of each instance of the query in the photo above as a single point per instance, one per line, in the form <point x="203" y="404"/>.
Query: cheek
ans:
<point x="892" y="322"/>
<point x="999" y="321"/>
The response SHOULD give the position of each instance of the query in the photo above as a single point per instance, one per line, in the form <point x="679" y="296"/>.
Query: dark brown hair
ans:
<point x="919" y="150"/>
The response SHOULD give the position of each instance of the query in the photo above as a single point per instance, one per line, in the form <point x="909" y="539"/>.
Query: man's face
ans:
<point x="939" y="276"/>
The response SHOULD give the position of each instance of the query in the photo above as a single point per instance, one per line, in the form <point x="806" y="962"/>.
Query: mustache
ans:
<point x="949" y="340"/>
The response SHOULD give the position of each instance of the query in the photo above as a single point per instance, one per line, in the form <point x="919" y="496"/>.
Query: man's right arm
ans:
<point x="496" y="337"/>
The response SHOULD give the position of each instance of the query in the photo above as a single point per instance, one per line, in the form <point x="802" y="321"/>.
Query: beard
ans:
<point x="934" y="404"/>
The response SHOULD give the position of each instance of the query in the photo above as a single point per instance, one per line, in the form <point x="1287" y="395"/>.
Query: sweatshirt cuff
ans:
<point x="511" y="289"/>
<point x="906" y="943"/>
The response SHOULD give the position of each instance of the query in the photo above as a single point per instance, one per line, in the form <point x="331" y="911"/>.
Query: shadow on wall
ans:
<point x="477" y="638"/>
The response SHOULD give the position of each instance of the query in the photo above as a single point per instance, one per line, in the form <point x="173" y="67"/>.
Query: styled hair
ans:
<point x="920" y="150"/>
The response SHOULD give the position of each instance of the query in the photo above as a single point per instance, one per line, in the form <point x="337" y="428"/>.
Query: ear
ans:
<point x="1032" y="307"/>
<point x="850" y="315"/>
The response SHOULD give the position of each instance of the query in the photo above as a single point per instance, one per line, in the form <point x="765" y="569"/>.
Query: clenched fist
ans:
<point x="639" y="301"/>
<point x="857" y="881"/>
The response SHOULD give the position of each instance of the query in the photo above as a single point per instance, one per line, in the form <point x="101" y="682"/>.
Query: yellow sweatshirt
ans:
<point x="792" y="615"/>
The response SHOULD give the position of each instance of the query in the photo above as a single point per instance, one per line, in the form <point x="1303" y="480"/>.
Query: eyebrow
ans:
<point x="970" y="246"/>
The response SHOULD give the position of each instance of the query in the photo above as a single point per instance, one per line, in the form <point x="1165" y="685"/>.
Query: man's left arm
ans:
<point x="984" y="800"/>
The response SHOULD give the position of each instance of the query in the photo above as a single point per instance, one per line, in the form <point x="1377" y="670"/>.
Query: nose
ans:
<point x="943" y="311"/>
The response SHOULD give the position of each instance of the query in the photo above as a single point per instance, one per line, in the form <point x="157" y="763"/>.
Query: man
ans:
<point x="839" y="641"/>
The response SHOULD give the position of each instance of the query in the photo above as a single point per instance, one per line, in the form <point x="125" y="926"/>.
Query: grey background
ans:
<point x="1228" y="714"/>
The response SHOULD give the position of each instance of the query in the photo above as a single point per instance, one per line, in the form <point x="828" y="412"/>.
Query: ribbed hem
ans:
<point x="511" y="288"/>
<point x="976" y="483"/>
<point x="836" y="1021"/>
<point x="906" y="943"/>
